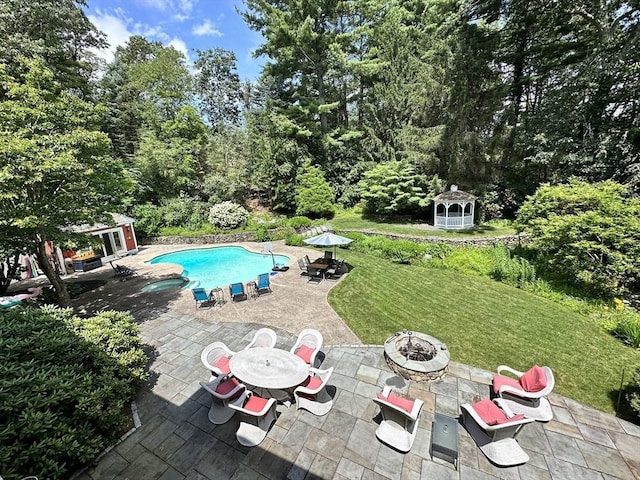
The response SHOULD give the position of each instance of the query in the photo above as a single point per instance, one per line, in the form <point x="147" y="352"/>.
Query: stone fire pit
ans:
<point x="416" y="356"/>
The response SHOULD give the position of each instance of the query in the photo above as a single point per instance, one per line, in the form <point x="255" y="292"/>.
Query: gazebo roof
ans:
<point x="454" y="195"/>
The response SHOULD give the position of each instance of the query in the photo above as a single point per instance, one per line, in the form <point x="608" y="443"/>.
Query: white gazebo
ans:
<point x="453" y="209"/>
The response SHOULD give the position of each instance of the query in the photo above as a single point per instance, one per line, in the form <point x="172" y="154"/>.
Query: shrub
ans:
<point x="262" y="234"/>
<point x="184" y="212"/>
<point x="148" y="219"/>
<point x="587" y="234"/>
<point x="300" y="222"/>
<point x="64" y="387"/>
<point x="399" y="251"/>
<point x="314" y="196"/>
<point x="516" y="271"/>
<point x="227" y="215"/>
<point x="294" y="240"/>
<point x="627" y="327"/>
<point x="634" y="395"/>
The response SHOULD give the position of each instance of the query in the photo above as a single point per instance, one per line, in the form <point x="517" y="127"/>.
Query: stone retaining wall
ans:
<point x="509" y="240"/>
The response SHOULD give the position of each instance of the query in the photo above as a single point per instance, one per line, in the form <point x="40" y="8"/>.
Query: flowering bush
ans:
<point x="227" y="215"/>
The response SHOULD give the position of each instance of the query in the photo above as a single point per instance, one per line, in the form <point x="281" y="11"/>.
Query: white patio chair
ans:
<point x="307" y="346"/>
<point x="256" y="416"/>
<point x="526" y="394"/>
<point x="312" y="395"/>
<point x="400" y="417"/>
<point x="215" y="357"/>
<point x="494" y="429"/>
<point x="222" y="390"/>
<point x="264" y="337"/>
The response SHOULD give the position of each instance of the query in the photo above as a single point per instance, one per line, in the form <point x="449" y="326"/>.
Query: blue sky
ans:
<point x="186" y="25"/>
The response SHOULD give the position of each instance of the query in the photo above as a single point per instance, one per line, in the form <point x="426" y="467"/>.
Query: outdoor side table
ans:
<point x="444" y="438"/>
<point x="217" y="295"/>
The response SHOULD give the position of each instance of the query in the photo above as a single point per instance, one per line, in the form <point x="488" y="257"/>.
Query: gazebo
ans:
<point x="453" y="209"/>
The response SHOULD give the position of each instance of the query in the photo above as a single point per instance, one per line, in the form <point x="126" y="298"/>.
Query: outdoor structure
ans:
<point x="454" y="209"/>
<point x="118" y="240"/>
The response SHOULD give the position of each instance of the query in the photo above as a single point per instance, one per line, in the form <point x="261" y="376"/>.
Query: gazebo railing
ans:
<point x="454" y="221"/>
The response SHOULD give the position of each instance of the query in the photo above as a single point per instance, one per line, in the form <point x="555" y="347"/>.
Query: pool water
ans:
<point x="219" y="266"/>
<point x="165" y="284"/>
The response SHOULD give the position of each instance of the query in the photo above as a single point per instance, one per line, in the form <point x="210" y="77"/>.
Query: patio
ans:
<point x="176" y="440"/>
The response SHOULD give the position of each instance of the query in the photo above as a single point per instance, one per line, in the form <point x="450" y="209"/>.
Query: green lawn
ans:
<point x="485" y="324"/>
<point x="347" y="220"/>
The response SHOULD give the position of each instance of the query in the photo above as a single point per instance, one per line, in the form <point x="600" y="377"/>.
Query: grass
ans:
<point x="485" y="324"/>
<point x="350" y="220"/>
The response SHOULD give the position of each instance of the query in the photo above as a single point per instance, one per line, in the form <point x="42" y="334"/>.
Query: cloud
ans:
<point x="180" y="46"/>
<point x="206" y="28"/>
<point x="115" y="28"/>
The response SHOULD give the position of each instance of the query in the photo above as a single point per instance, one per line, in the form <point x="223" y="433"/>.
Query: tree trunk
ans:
<point x="64" y="300"/>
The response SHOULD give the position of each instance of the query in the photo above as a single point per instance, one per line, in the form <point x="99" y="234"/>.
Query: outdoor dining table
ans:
<point x="269" y="369"/>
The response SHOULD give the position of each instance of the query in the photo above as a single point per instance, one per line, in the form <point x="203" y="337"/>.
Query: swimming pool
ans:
<point x="219" y="266"/>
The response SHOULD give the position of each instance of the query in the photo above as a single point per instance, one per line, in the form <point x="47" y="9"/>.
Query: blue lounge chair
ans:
<point x="263" y="285"/>
<point x="200" y="296"/>
<point x="237" y="290"/>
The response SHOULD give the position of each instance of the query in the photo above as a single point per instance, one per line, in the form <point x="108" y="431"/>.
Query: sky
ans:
<point x="186" y="25"/>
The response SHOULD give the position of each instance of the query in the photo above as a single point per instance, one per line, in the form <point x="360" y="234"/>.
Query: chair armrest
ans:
<point x="386" y="390"/>
<point x="504" y="368"/>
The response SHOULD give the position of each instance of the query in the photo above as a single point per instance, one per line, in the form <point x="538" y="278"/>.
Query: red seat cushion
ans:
<point x="312" y="382"/>
<point x="491" y="414"/>
<point x="255" y="403"/>
<point x="500" y="380"/>
<point x="223" y="365"/>
<point x="226" y="386"/>
<point x="305" y="352"/>
<point x="534" y="379"/>
<point x="403" y="403"/>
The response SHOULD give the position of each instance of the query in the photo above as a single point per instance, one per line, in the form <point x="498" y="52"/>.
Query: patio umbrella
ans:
<point x="328" y="239"/>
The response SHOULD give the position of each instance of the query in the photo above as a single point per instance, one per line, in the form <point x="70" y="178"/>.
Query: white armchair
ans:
<point x="222" y="390"/>
<point x="215" y="357"/>
<point x="257" y="415"/>
<point x="264" y="337"/>
<point x="312" y="395"/>
<point x="400" y="417"/>
<point x="527" y="392"/>
<point x="308" y="345"/>
<point x="494" y="428"/>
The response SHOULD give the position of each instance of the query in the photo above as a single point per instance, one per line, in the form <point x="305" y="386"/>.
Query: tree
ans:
<point x="395" y="188"/>
<point x="58" y="31"/>
<point x="55" y="168"/>
<point x="314" y="196"/>
<point x="217" y="83"/>
<point x="588" y="235"/>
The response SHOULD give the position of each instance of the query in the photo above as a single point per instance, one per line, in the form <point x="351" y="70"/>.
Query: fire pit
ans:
<point x="416" y="356"/>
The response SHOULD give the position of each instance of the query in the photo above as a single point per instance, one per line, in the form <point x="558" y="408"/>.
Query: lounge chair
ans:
<point x="307" y="346"/>
<point x="215" y="357"/>
<point x="494" y="428"/>
<point x="257" y="415"/>
<point x="201" y="296"/>
<point x="312" y="394"/>
<point x="236" y="290"/>
<point x="263" y="284"/>
<point x="122" y="272"/>
<point x="264" y="337"/>
<point x="526" y="394"/>
<point x="223" y="389"/>
<point x="400" y="417"/>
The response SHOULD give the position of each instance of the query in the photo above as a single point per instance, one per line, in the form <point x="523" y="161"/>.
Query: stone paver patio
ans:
<point x="177" y="441"/>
